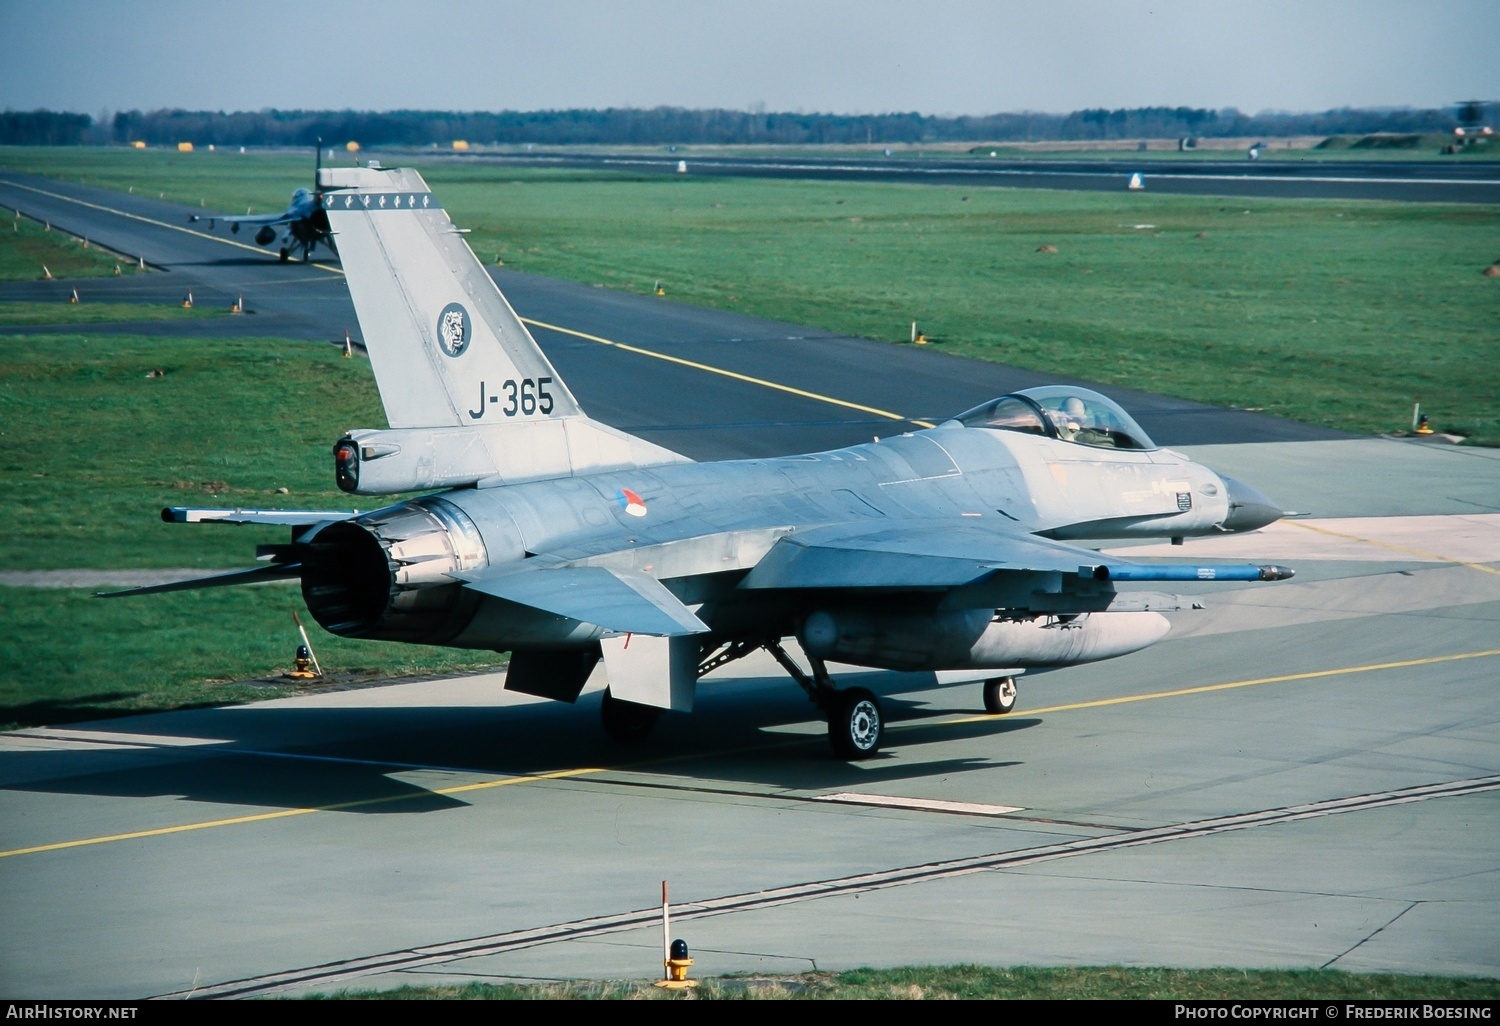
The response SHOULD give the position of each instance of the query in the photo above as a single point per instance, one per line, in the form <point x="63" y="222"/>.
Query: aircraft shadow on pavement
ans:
<point x="362" y="760"/>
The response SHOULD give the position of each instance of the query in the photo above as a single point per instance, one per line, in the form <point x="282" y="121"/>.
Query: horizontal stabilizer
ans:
<point x="629" y="602"/>
<point x="255" y="575"/>
<point x="277" y="517"/>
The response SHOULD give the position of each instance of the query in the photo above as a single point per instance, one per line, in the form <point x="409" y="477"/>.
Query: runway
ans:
<point x="1457" y="181"/>
<point x="1303" y="774"/>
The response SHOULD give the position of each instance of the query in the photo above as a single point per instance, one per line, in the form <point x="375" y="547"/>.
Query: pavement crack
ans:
<point x="1372" y="935"/>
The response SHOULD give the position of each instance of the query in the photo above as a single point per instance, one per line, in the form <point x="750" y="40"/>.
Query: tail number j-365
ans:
<point x="524" y="398"/>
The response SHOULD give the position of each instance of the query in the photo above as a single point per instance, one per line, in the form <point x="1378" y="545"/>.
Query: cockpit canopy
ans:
<point x="1064" y="412"/>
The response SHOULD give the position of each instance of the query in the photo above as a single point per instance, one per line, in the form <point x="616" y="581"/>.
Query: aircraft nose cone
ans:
<point x="1248" y="509"/>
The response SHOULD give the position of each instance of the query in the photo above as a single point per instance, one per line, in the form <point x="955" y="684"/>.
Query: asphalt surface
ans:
<point x="1303" y="774"/>
<point x="1456" y="181"/>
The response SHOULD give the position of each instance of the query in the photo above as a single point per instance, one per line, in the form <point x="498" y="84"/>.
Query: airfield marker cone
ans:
<point x="1136" y="182"/>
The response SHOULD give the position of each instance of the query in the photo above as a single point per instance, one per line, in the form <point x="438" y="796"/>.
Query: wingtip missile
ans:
<point x="1179" y="572"/>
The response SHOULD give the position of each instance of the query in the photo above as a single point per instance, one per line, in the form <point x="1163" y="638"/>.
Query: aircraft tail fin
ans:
<point x="458" y="372"/>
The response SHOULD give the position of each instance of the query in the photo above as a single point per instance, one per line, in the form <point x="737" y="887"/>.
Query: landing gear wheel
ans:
<point x="626" y="722"/>
<point x="999" y="695"/>
<point x="285" y="254"/>
<point x="854" y="724"/>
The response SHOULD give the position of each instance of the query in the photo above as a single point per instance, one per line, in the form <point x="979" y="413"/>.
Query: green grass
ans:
<point x="29" y="249"/>
<point x="69" y="656"/>
<point x="984" y="983"/>
<point x="24" y="314"/>
<point x="91" y="447"/>
<point x="1339" y="313"/>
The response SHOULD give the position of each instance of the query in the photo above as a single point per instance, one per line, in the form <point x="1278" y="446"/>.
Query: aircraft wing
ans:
<point x="285" y="217"/>
<point x="907" y="554"/>
<point x="944" y="554"/>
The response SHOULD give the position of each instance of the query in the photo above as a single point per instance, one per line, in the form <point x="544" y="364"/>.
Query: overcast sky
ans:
<point x="836" y="56"/>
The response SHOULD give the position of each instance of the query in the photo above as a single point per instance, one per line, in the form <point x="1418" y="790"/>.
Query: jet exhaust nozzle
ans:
<point x="385" y="575"/>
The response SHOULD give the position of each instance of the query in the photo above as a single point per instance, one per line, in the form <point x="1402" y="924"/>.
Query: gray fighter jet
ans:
<point x="303" y="224"/>
<point x="565" y="541"/>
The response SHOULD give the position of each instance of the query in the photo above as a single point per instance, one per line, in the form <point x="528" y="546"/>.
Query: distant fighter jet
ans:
<point x="304" y="223"/>
<point x="565" y="541"/>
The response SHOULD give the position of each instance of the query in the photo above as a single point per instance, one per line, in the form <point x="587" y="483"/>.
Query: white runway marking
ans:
<point x="920" y="804"/>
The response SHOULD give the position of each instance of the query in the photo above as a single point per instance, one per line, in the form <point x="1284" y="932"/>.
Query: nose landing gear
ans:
<point x="999" y="695"/>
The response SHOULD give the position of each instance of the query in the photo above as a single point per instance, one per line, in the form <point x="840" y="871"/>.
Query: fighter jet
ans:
<point x="566" y="542"/>
<point x="304" y="223"/>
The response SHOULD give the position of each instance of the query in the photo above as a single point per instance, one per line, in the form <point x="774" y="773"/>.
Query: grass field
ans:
<point x="1339" y="313"/>
<point x="92" y="448"/>
<point x="30" y="250"/>
<point x="70" y="656"/>
<point x="25" y="314"/>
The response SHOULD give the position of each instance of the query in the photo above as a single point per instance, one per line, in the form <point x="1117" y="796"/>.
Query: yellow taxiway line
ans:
<point x="710" y="369"/>
<point x="1206" y="688"/>
<point x="154" y="221"/>
<point x="287" y="813"/>
<point x="626" y="347"/>
<point x="587" y="771"/>
<point x="1394" y="548"/>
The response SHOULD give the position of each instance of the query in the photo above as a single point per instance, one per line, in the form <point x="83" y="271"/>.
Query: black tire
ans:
<point x="999" y="695"/>
<point x="626" y="722"/>
<point x="285" y="254"/>
<point x="855" y="724"/>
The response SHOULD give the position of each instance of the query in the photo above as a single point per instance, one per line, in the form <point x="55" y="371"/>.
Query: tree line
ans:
<point x="678" y="125"/>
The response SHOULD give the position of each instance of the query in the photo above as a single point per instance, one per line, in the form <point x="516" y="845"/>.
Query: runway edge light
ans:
<point x="1136" y="182"/>
<point x="675" y="960"/>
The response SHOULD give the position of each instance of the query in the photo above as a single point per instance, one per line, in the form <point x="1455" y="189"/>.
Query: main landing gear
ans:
<point x="855" y="722"/>
<point x="626" y="722"/>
